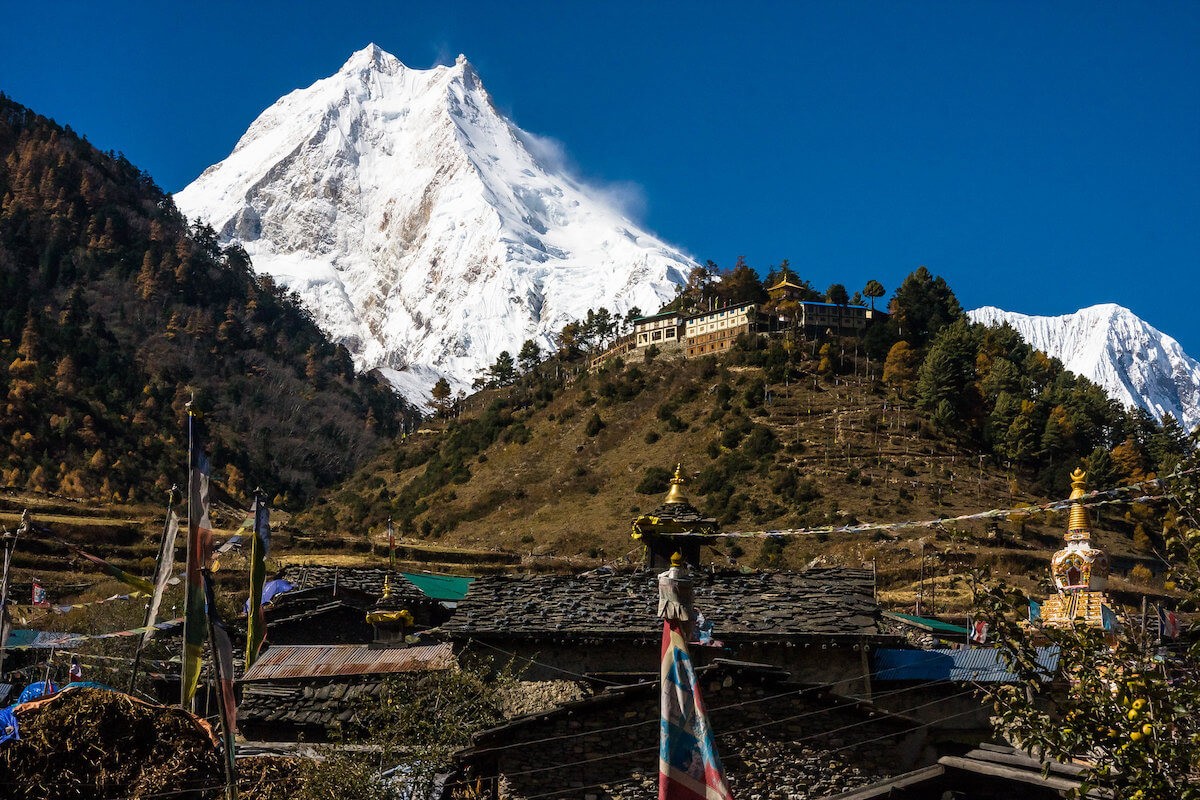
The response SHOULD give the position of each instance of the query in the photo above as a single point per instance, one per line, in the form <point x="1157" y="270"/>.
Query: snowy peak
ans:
<point x="422" y="228"/>
<point x="1137" y="364"/>
<point x="371" y="57"/>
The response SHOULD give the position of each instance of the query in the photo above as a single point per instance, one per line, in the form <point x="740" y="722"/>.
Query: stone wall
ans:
<point x="776" y="741"/>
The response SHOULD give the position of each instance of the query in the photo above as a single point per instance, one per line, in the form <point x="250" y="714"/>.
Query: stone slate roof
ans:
<point x="365" y="580"/>
<point x="683" y="513"/>
<point x="305" y="707"/>
<point x="767" y="606"/>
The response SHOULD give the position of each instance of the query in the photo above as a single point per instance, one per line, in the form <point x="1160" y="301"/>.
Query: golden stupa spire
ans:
<point x="676" y="495"/>
<point x="1079" y="524"/>
<point x="387" y="586"/>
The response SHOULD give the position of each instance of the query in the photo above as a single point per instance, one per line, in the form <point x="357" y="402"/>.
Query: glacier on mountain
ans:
<point x="1135" y="363"/>
<point x="421" y="228"/>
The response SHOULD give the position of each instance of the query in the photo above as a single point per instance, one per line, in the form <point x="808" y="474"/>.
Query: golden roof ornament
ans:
<point x="1079" y="524"/>
<point x="387" y="586"/>
<point x="675" y="494"/>
<point x="1079" y="566"/>
<point x="677" y="559"/>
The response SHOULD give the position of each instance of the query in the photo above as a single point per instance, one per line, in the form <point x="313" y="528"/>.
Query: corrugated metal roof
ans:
<point x="326" y="660"/>
<point x="981" y="665"/>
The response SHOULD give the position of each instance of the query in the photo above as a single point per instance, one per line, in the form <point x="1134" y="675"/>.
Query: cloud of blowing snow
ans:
<point x="627" y="197"/>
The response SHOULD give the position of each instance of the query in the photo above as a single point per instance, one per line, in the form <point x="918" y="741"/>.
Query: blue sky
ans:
<point x="1041" y="156"/>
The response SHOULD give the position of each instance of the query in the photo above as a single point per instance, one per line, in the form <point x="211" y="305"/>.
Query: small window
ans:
<point x="657" y="335"/>
<point x="670" y="333"/>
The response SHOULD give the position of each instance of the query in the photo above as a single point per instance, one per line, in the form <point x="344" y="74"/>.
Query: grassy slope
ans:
<point x="546" y="495"/>
<point x="572" y="495"/>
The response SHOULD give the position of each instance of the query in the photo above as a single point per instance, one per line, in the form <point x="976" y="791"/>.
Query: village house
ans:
<point x="307" y="692"/>
<point x="819" y="625"/>
<point x="715" y="331"/>
<point x="989" y="772"/>
<point x="363" y="587"/>
<point x="665" y="330"/>
<point x="776" y="738"/>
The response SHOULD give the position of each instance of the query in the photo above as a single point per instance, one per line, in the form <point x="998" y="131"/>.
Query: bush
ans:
<point x="761" y="443"/>
<point x="594" y="425"/>
<point x="652" y="437"/>
<point x="655" y="480"/>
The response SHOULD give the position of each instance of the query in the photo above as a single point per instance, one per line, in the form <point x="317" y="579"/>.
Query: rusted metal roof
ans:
<point x="325" y="660"/>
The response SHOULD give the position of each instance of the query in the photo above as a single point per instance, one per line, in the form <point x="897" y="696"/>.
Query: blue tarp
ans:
<point x="8" y="725"/>
<point x="271" y="588"/>
<point x="35" y="690"/>
<point x="977" y="664"/>
<point x="88" y="685"/>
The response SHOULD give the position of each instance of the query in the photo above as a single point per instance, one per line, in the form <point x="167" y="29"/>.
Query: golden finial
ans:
<point x="677" y="559"/>
<point x="387" y="586"/>
<point x="676" y="495"/>
<point x="1079" y="525"/>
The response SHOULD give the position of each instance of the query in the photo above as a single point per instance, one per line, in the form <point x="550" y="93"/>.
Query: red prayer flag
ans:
<point x="688" y="765"/>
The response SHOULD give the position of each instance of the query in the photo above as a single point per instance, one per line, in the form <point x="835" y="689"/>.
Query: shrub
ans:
<point x="655" y="480"/>
<point x="594" y="425"/>
<point x="761" y="442"/>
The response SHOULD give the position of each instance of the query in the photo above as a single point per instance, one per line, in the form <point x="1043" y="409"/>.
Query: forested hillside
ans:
<point x="780" y="432"/>
<point x="114" y="313"/>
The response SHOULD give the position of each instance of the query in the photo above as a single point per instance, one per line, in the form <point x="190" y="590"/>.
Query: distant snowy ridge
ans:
<point x="1134" y="362"/>
<point x="421" y="228"/>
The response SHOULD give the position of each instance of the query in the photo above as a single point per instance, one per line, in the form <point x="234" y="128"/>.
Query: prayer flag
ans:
<point x="688" y="765"/>
<point x="222" y="648"/>
<point x="256" y="624"/>
<point x="39" y="595"/>
<point x="1035" y="611"/>
<point x="141" y="584"/>
<point x="75" y="673"/>
<point x="391" y="544"/>
<point x="1168" y="624"/>
<point x="1108" y="618"/>
<point x="162" y="575"/>
<point x="979" y="632"/>
<point x="198" y="552"/>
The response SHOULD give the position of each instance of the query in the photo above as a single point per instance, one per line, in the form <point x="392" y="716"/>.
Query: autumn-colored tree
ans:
<point x="1124" y="703"/>
<point x="900" y="368"/>
<point x="1129" y="462"/>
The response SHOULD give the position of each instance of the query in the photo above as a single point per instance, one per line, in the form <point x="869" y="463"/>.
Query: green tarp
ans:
<point x="440" y="587"/>
<point x="933" y="625"/>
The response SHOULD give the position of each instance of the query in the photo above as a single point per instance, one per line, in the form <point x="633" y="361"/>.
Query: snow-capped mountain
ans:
<point x="1134" y="362"/>
<point x="421" y="228"/>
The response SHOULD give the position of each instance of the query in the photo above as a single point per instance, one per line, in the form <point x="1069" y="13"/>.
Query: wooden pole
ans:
<point x="921" y="587"/>
<point x="9" y="542"/>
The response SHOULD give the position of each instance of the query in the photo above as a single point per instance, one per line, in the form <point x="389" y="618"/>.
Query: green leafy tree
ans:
<point x="837" y="294"/>
<point x="504" y="371"/>
<point x="874" y="290"/>
<point x="441" y="397"/>
<point x="922" y="306"/>
<point x="1126" y="702"/>
<point x="740" y="285"/>
<point x="947" y="375"/>
<point x="530" y="356"/>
